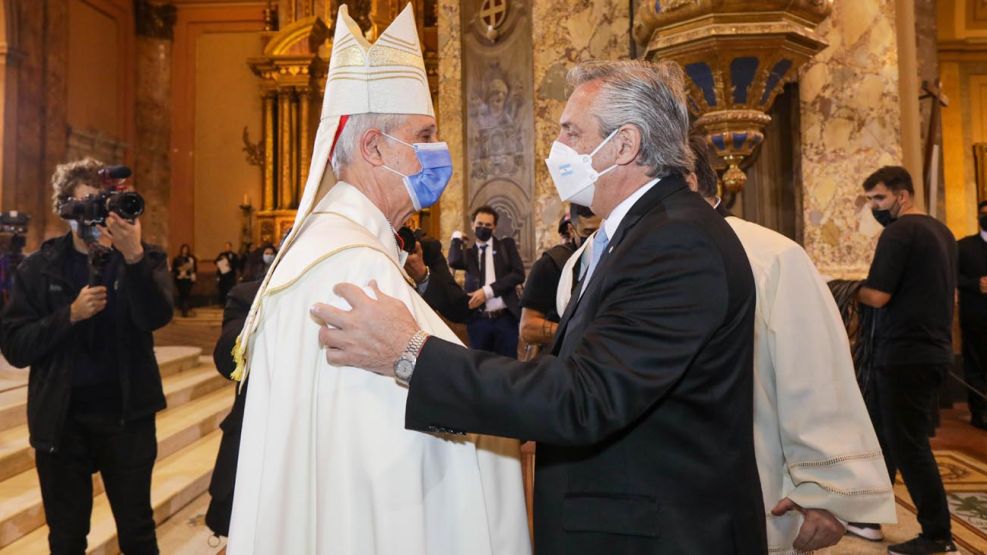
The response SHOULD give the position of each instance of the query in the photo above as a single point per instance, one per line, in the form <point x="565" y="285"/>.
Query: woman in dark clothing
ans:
<point x="184" y="267"/>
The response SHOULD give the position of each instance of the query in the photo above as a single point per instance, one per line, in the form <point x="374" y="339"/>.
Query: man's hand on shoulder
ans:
<point x="371" y="335"/>
<point x="820" y="529"/>
<point x="983" y="284"/>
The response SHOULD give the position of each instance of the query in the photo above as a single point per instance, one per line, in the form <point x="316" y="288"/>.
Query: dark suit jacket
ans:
<point x="644" y="413"/>
<point x="972" y="265"/>
<point x="443" y="293"/>
<point x="508" y="269"/>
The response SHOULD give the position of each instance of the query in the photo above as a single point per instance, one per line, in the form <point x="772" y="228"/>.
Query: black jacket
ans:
<point x="508" y="269"/>
<point x="644" y="415"/>
<point x="443" y="294"/>
<point x="224" y="474"/>
<point x="35" y="331"/>
<point x="972" y="266"/>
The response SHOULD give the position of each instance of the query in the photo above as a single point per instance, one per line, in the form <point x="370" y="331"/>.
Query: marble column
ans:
<point x="152" y="162"/>
<point x="908" y="93"/>
<point x="449" y="113"/>
<point x="851" y="118"/>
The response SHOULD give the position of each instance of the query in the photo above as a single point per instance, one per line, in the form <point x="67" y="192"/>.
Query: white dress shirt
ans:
<point x="493" y="303"/>
<point x="612" y="222"/>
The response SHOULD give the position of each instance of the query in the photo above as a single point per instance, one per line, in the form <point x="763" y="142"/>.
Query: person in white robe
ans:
<point x="325" y="463"/>
<point x="818" y="457"/>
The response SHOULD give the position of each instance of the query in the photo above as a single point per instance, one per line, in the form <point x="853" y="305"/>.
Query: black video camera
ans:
<point x="14" y="222"/>
<point x="94" y="210"/>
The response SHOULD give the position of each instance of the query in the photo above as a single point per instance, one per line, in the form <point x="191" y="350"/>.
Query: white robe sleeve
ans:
<point x="831" y="451"/>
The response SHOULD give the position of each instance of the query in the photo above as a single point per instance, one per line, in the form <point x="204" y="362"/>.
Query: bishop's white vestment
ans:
<point x="813" y="438"/>
<point x="326" y="465"/>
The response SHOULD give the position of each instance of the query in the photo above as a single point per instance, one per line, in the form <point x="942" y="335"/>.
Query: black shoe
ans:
<point x="920" y="545"/>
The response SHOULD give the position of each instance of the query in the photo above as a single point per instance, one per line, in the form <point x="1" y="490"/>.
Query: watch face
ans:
<point x="404" y="368"/>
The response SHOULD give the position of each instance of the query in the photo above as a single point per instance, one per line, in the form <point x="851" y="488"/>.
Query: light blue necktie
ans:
<point x="600" y="241"/>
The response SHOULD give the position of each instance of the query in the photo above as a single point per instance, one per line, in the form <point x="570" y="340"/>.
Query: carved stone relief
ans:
<point x="499" y="127"/>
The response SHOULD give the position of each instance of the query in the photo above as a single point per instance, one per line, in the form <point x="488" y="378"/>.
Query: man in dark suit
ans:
<point x="972" y="283"/>
<point x="493" y="271"/>
<point x="643" y="411"/>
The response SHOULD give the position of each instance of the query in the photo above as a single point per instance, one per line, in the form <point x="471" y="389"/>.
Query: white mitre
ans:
<point x="387" y="77"/>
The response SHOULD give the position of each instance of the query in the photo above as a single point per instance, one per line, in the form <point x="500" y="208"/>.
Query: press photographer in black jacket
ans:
<point x="94" y="384"/>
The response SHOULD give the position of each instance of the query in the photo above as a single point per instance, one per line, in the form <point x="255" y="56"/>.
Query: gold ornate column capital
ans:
<point x="155" y="20"/>
<point x="737" y="56"/>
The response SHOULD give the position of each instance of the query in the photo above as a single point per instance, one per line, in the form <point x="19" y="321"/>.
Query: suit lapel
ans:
<point x="645" y="204"/>
<point x="497" y="255"/>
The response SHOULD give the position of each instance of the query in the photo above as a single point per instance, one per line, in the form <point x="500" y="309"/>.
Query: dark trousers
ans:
<point x="124" y="456"/>
<point x="495" y="335"/>
<point x="975" y="366"/>
<point x="903" y="396"/>
<point x="184" y="287"/>
<point x="226" y="282"/>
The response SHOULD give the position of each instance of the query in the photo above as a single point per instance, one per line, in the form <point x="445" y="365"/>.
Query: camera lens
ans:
<point x="128" y="205"/>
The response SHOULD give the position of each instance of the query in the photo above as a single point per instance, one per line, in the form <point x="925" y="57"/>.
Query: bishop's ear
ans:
<point x="370" y="145"/>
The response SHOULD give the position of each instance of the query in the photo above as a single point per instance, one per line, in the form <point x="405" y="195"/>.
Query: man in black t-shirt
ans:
<point x="539" y="316"/>
<point x="912" y="281"/>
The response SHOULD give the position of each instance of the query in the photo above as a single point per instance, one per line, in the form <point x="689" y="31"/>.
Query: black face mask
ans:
<point x="483" y="233"/>
<point x="983" y="222"/>
<point x="885" y="217"/>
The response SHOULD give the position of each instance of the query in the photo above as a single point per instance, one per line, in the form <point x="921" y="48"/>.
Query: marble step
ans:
<point x="171" y="360"/>
<point x="16" y="454"/>
<point x="178" y="480"/>
<point x="186" y="533"/>
<point x="20" y="495"/>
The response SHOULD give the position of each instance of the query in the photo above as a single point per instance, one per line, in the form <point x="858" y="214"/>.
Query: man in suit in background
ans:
<point x="972" y="283"/>
<point x="493" y="271"/>
<point x="643" y="411"/>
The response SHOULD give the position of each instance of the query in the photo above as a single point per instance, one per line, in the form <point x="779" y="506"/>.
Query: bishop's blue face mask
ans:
<point x="426" y="186"/>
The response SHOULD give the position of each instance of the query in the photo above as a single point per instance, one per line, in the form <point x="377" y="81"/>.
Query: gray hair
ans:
<point x="650" y="96"/>
<point x="356" y="126"/>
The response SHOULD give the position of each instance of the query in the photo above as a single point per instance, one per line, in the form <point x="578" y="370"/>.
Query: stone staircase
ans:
<point x="188" y="438"/>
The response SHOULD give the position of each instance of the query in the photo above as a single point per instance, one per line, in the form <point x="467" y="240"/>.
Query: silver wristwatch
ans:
<point x="404" y="366"/>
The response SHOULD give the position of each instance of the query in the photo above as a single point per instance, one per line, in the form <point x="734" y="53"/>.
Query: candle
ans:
<point x="246" y="199"/>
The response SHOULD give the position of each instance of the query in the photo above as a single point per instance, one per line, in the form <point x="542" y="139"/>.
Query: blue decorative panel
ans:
<point x="718" y="142"/>
<point x="777" y="74"/>
<point x="738" y="140"/>
<point x="702" y="76"/>
<point x="657" y="6"/>
<point x="742" y="72"/>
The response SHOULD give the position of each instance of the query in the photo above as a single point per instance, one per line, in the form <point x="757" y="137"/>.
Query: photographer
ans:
<point x="85" y="329"/>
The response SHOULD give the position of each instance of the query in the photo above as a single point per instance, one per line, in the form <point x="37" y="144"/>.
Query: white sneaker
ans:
<point x="870" y="532"/>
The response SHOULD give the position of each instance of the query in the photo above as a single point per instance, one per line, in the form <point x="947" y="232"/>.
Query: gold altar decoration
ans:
<point x="292" y="70"/>
<point x="737" y="56"/>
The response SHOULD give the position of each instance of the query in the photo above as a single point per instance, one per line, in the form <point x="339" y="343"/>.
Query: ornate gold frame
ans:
<point x="980" y="168"/>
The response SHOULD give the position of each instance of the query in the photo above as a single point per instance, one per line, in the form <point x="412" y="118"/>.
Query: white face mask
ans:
<point x="268" y="258"/>
<point x="573" y="173"/>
